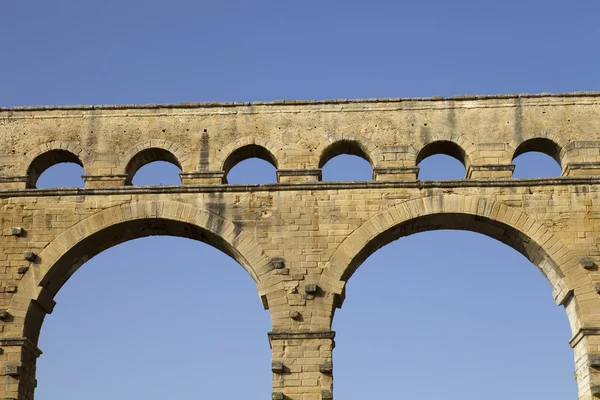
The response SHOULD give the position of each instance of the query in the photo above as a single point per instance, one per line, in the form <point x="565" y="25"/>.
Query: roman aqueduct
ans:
<point x="299" y="239"/>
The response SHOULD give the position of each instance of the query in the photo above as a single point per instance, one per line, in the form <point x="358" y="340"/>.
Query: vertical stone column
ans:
<point x="302" y="365"/>
<point x="18" y="362"/>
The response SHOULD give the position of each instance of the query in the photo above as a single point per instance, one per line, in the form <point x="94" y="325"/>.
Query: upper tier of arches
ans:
<point x="280" y="158"/>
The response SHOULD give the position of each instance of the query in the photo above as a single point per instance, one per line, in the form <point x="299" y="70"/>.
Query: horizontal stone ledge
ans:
<point x="591" y="168"/>
<point x="308" y="186"/>
<point x="490" y="171"/>
<point x="301" y="335"/>
<point x="20" y="342"/>
<point x="202" y="174"/>
<point x="104" y="177"/>
<point x="299" y="172"/>
<point x="203" y="178"/>
<point x="299" y="102"/>
<point x="299" y="176"/>
<point x="11" y="179"/>
<point x="582" y="333"/>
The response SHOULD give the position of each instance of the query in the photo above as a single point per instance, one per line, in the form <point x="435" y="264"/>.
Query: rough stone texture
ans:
<point x="299" y="233"/>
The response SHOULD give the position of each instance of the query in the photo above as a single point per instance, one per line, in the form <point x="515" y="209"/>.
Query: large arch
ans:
<point x="72" y="248"/>
<point x="491" y="218"/>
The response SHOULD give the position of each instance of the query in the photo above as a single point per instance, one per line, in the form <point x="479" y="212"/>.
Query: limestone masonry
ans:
<point x="300" y="239"/>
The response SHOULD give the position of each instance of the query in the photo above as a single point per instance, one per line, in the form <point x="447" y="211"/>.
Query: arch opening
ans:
<point x="347" y="168"/>
<point x="167" y="315"/>
<point x="438" y="161"/>
<point x="157" y="173"/>
<point x="63" y="164"/>
<point x="147" y="156"/>
<point x="536" y="158"/>
<point x="477" y="307"/>
<point x="250" y="164"/>
<point x="348" y="147"/>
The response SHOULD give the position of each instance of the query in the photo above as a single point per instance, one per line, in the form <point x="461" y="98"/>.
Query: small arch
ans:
<point x="344" y="146"/>
<point x="245" y="152"/>
<point x="540" y="145"/>
<point x="148" y="156"/>
<point x="444" y="148"/>
<point x="542" y="159"/>
<point x="46" y="160"/>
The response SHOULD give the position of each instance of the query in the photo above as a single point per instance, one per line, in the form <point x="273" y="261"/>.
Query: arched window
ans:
<point x="346" y="160"/>
<point x="55" y="168"/>
<point x="537" y="158"/>
<point x="441" y="160"/>
<point x="250" y="164"/>
<point x="153" y="166"/>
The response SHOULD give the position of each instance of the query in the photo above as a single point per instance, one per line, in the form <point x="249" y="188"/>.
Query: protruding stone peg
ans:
<point x="30" y="256"/>
<point x="278" y="263"/>
<point x="311" y="288"/>
<point x="18" y="231"/>
<point x="3" y="314"/>
<point x="587" y="263"/>
<point x="277" y="396"/>
<point x="326" y="367"/>
<point x="326" y="395"/>
<point x="277" y="367"/>
<point x="22" y="269"/>
<point x="11" y="289"/>
<point x="295" y="315"/>
<point x="597" y="287"/>
<point x="13" y="370"/>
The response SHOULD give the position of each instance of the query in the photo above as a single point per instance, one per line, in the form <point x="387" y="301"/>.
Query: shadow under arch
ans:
<point x="541" y="145"/>
<point x="245" y="152"/>
<point x="115" y="225"/>
<point x="344" y="146"/>
<point x="494" y="219"/>
<point x="147" y="156"/>
<point x="46" y="160"/>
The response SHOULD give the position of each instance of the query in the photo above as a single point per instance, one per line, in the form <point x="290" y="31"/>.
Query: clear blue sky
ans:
<point x="427" y="316"/>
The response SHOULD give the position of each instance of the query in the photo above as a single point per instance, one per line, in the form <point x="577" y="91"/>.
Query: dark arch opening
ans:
<point x="148" y="156"/>
<point x="461" y="312"/>
<point x="46" y="160"/>
<point x="537" y="158"/>
<point x="247" y="152"/>
<point x="438" y="161"/>
<point x="349" y="147"/>
<point x="540" y="145"/>
<point x="442" y="147"/>
<point x="157" y="309"/>
<point x="345" y="160"/>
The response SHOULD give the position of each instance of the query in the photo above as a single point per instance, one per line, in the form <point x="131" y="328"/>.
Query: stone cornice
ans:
<point x="301" y="186"/>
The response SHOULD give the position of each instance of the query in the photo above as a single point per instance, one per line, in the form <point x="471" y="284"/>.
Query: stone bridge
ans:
<point x="299" y="239"/>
